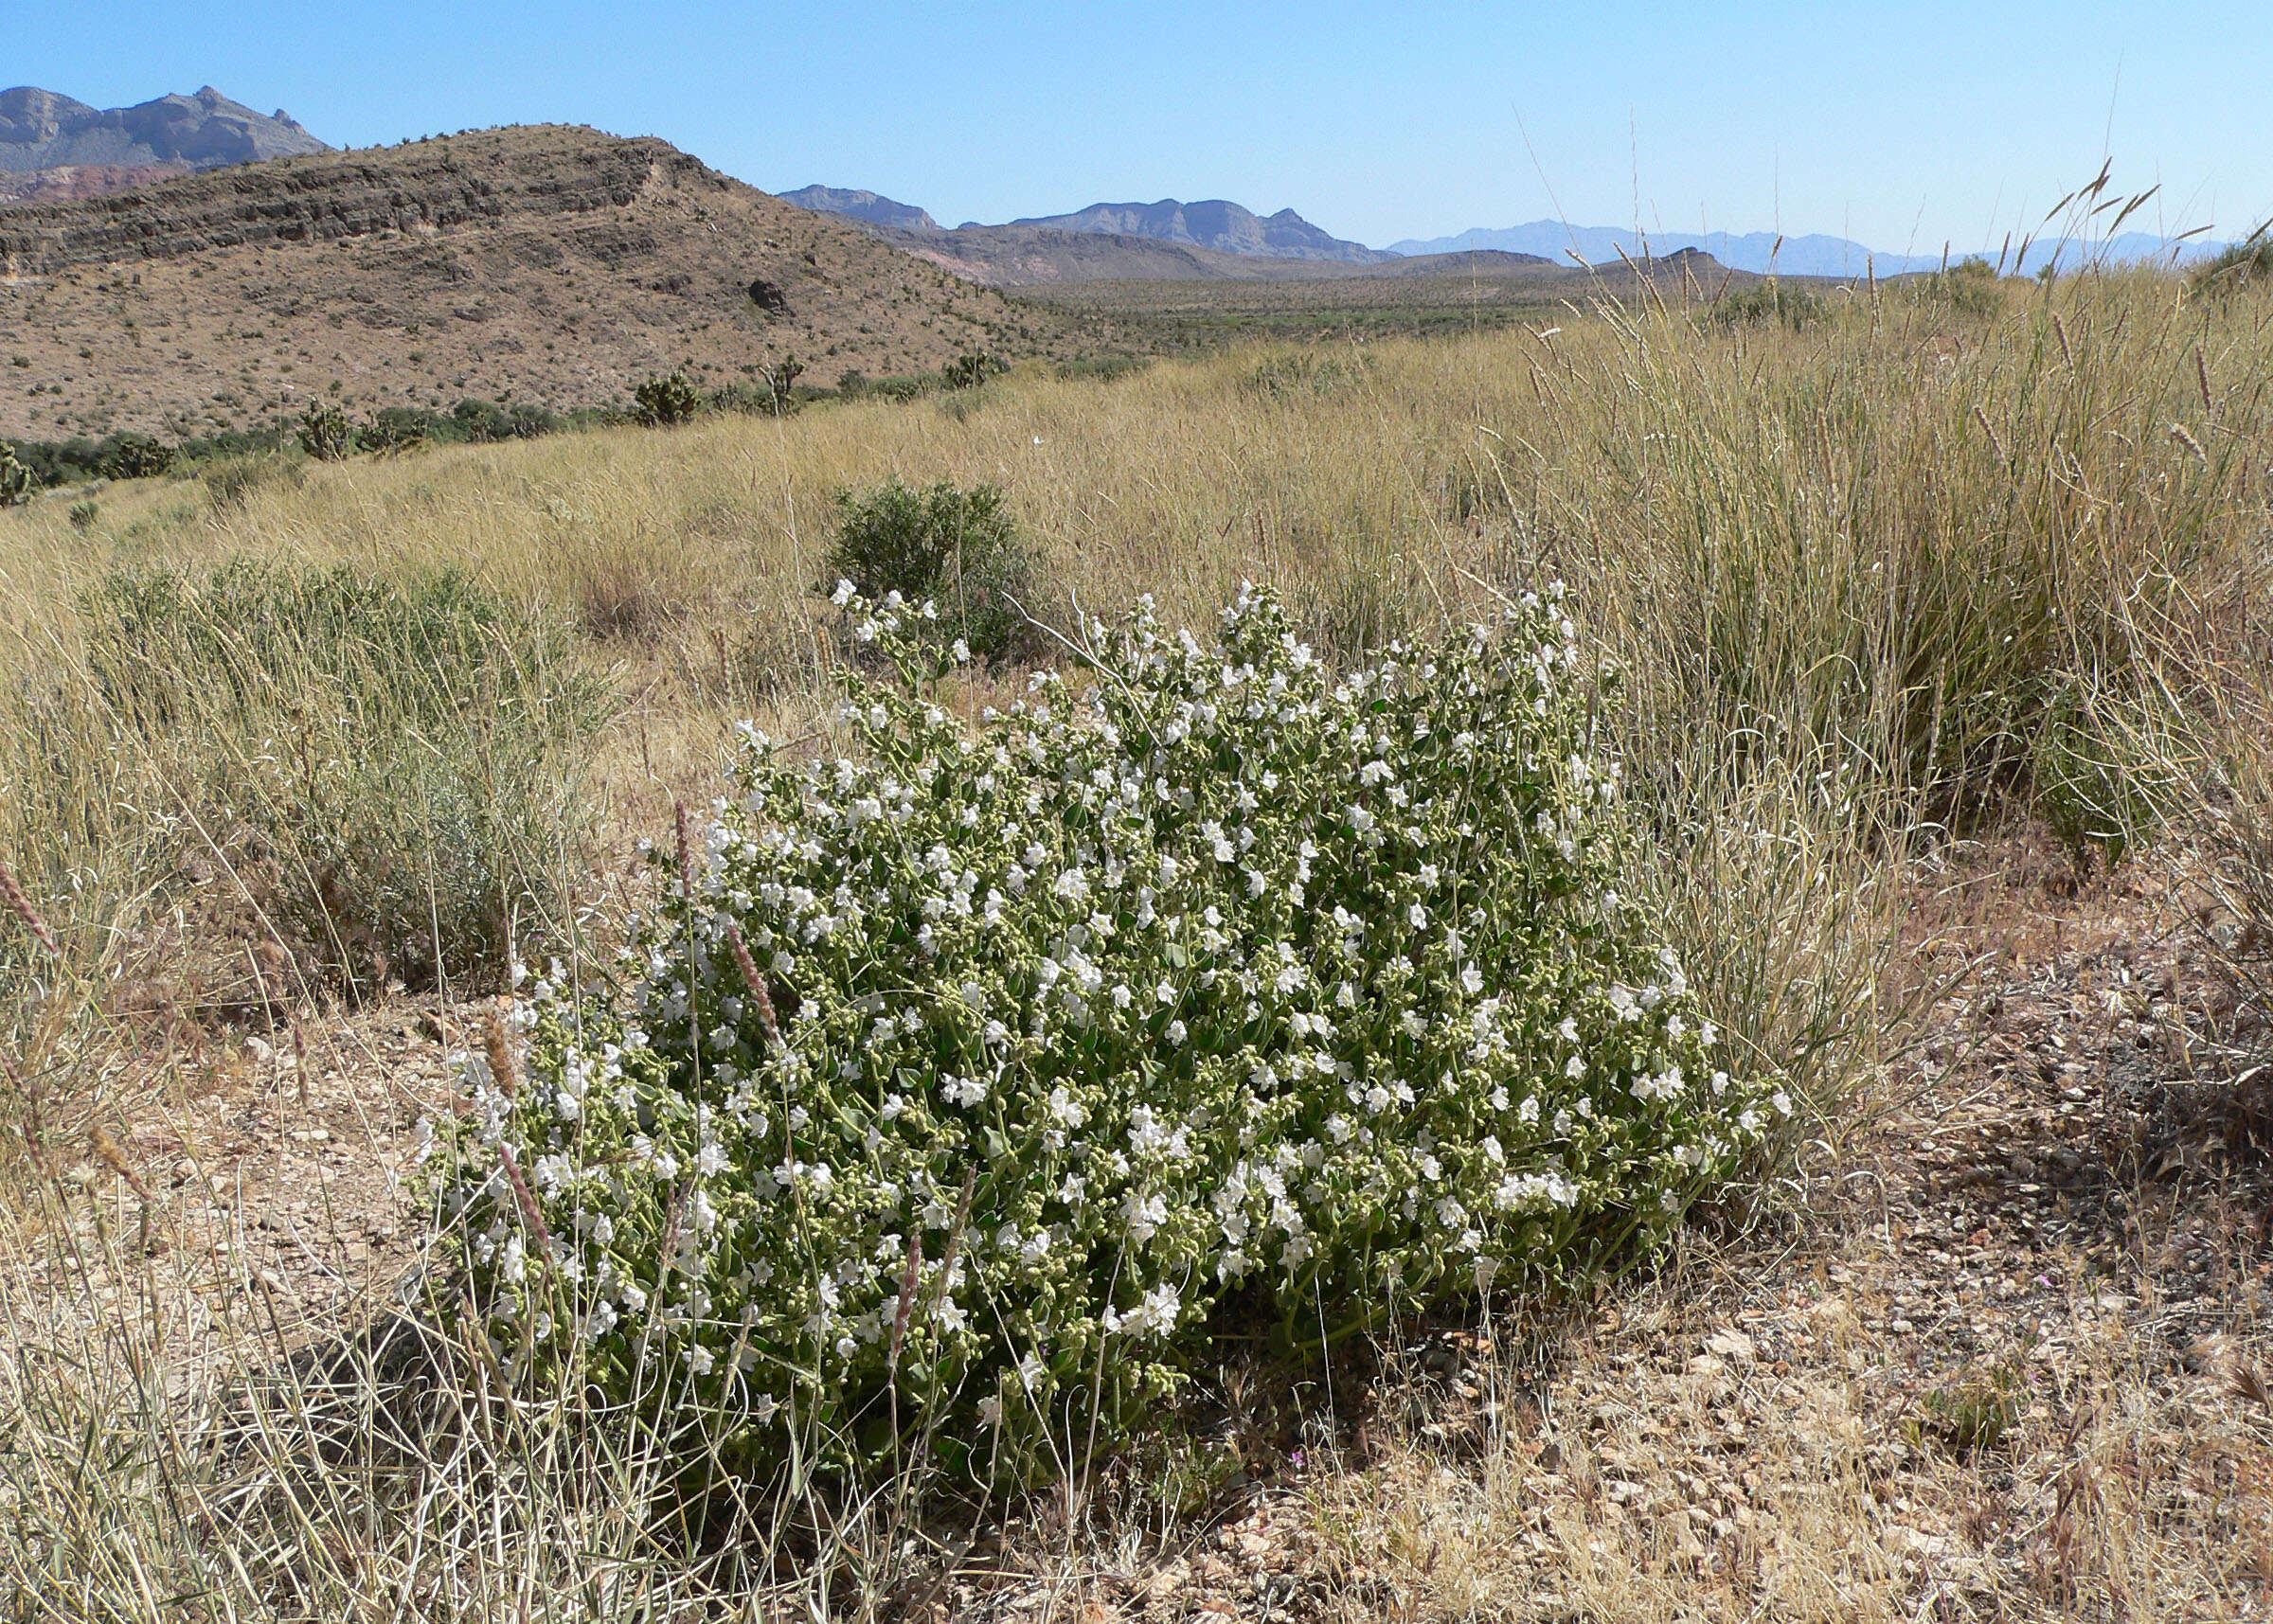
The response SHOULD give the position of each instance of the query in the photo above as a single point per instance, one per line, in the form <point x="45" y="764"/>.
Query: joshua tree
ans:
<point x="15" y="479"/>
<point x="663" y="401"/>
<point x="780" y="379"/>
<point x="324" y="432"/>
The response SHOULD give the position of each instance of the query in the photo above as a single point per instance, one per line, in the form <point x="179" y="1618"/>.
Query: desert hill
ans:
<point x="551" y="263"/>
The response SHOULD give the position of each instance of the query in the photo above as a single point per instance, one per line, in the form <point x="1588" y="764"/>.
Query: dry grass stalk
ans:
<point x="755" y="982"/>
<point x="14" y="895"/>
<point x="106" y="1151"/>
<point x="498" y="1051"/>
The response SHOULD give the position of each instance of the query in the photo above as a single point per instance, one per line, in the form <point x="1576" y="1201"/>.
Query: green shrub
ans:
<point x="324" y="432"/>
<point x="400" y="758"/>
<point x="958" y="548"/>
<point x="231" y="481"/>
<point x="483" y="422"/>
<point x="2238" y="265"/>
<point x="396" y="429"/>
<point x="1299" y="372"/>
<point x="969" y="371"/>
<point x="1102" y="368"/>
<point x="660" y="402"/>
<point x="972" y="1087"/>
<point x="1768" y="301"/>
<point x="84" y="515"/>
<point x="134" y="457"/>
<point x="1971" y="286"/>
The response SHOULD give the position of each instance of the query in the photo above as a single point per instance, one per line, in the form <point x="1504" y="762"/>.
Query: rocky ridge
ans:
<point x="550" y="264"/>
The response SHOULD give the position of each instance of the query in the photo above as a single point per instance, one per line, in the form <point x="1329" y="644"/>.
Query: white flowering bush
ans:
<point x="972" y="1081"/>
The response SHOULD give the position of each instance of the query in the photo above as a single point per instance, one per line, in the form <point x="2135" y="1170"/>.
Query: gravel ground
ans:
<point x="2001" y="1357"/>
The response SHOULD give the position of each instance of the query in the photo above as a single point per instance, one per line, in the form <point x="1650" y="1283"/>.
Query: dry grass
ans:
<point x="1854" y="574"/>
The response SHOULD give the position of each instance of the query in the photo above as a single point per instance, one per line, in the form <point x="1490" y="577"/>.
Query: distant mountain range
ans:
<point x="860" y="206"/>
<point x="1014" y="253"/>
<point x="54" y="148"/>
<point x="1216" y="225"/>
<point x="1764" y="251"/>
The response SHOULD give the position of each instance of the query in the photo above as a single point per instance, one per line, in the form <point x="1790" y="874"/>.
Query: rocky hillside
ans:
<point x="548" y="264"/>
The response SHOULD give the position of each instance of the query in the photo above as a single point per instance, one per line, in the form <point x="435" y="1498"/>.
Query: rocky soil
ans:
<point x="1998" y="1354"/>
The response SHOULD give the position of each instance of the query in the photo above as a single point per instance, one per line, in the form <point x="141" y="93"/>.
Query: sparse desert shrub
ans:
<point x="486" y="422"/>
<point x="1102" y="368"/>
<point x="84" y="515"/>
<point x="134" y="457"/>
<point x="324" y="432"/>
<point x="1769" y="300"/>
<point x="402" y="757"/>
<point x="967" y="1087"/>
<point x="395" y="429"/>
<point x="1298" y="372"/>
<point x="661" y="403"/>
<point x="971" y="370"/>
<point x="1970" y="287"/>
<point x="959" y="547"/>
<point x="852" y="383"/>
<point x="231" y="481"/>
<point x="2239" y="265"/>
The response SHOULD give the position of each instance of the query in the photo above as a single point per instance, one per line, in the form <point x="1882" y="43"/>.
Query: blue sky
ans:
<point x="1904" y="126"/>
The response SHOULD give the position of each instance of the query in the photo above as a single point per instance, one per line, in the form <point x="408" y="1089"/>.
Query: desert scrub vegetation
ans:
<point x="1903" y="575"/>
<point x="1030" y="1058"/>
<point x="959" y="549"/>
<point x="388" y="768"/>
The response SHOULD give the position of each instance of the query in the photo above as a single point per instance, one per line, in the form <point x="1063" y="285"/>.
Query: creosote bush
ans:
<point x="966" y="1089"/>
<point x="959" y="547"/>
